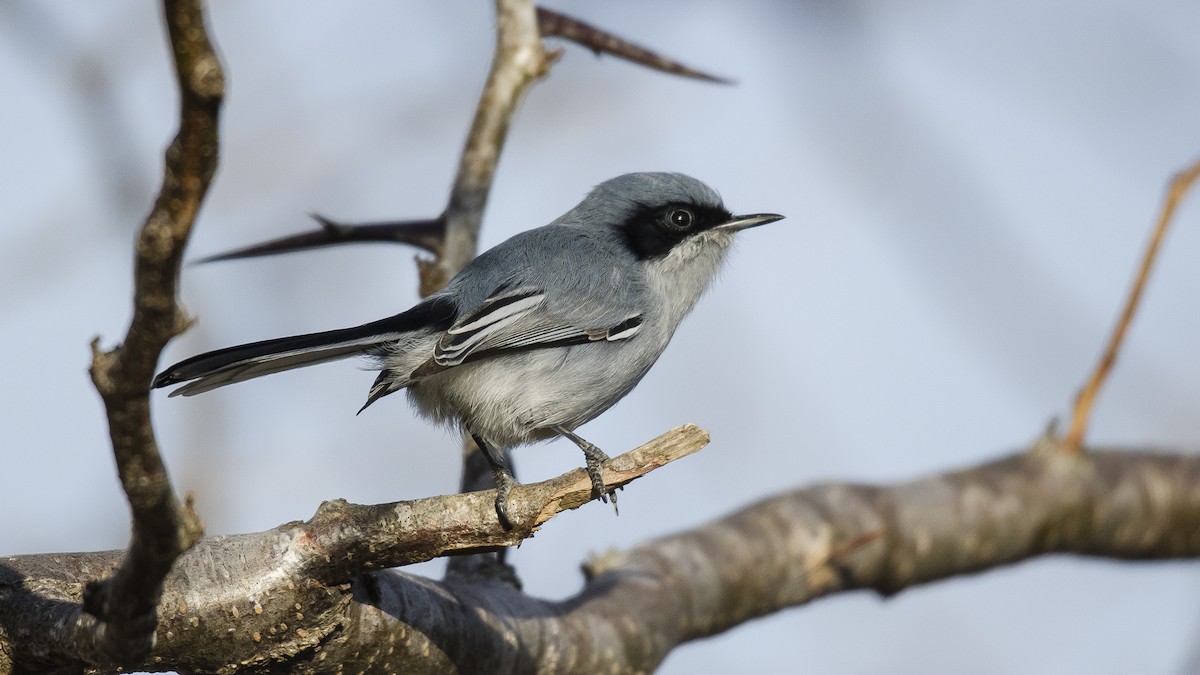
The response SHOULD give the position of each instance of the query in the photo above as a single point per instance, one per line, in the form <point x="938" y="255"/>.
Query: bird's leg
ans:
<point x="503" y="475"/>
<point x="594" y="457"/>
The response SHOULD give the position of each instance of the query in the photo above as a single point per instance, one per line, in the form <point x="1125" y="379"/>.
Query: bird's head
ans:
<point x="661" y="215"/>
<point x="675" y="226"/>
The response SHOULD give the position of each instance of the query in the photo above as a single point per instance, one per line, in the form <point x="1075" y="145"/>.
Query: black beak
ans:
<point x="745" y="222"/>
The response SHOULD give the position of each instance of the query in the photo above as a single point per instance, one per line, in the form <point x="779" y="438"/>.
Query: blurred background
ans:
<point x="968" y="187"/>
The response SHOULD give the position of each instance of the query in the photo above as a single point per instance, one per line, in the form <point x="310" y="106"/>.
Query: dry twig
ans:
<point x="554" y="24"/>
<point x="1180" y="185"/>
<point x="424" y="234"/>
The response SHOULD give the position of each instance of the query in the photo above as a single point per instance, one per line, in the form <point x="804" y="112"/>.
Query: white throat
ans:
<point x="682" y="276"/>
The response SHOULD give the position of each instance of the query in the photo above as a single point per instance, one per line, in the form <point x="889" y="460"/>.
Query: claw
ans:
<point x="504" y="486"/>
<point x="594" y="458"/>
<point x="503" y="476"/>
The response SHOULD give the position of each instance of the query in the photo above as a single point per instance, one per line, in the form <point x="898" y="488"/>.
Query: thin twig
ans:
<point x="424" y="234"/>
<point x="554" y="24"/>
<point x="118" y="618"/>
<point x="1180" y="185"/>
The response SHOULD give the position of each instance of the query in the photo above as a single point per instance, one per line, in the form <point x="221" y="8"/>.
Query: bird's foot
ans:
<point x="594" y="458"/>
<point x="497" y="458"/>
<point x="504" y="485"/>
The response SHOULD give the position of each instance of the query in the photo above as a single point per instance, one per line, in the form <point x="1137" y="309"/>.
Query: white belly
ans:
<point x="515" y="399"/>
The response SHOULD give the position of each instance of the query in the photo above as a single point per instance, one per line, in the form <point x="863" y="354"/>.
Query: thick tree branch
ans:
<point x="827" y="539"/>
<point x="228" y="597"/>
<point x="118" y="625"/>
<point x="240" y="603"/>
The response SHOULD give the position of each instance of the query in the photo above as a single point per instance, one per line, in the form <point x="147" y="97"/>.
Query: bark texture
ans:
<point x="299" y="598"/>
<point x="116" y="621"/>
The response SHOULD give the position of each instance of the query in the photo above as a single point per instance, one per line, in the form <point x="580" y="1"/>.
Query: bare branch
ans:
<point x="239" y="603"/>
<point x="359" y="538"/>
<point x="120" y="619"/>
<point x="1180" y="185"/>
<point x="554" y="24"/>
<point x="424" y="234"/>
<point x="295" y="570"/>
<point x="792" y="549"/>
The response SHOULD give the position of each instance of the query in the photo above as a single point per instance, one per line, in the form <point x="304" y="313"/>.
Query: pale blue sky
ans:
<point x="968" y="186"/>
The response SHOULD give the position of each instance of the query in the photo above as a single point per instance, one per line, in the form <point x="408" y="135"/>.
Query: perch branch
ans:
<point x="294" y="575"/>
<point x="243" y="603"/>
<point x="360" y="538"/>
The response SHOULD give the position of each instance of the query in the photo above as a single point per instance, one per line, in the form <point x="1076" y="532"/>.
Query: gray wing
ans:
<point x="590" y="301"/>
<point x="518" y="319"/>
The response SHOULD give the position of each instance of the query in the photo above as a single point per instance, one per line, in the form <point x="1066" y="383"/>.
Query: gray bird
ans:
<point x="536" y="336"/>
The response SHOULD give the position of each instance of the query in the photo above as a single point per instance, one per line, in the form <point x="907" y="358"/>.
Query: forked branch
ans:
<point x="116" y="623"/>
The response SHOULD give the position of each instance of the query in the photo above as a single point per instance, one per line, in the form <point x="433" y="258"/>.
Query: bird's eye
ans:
<point x="680" y="219"/>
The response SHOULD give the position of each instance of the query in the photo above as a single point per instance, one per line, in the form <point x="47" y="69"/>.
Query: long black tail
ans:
<point x="243" y="362"/>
